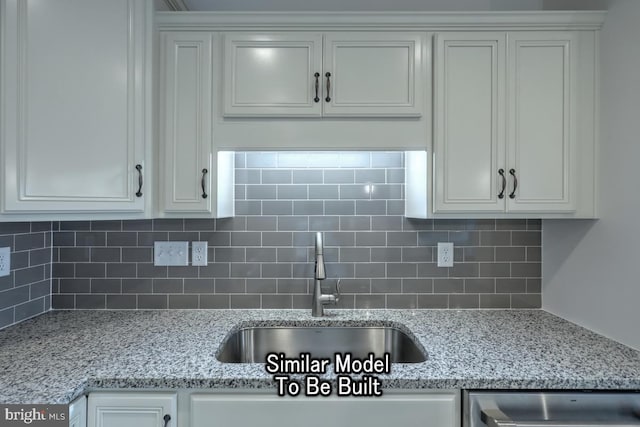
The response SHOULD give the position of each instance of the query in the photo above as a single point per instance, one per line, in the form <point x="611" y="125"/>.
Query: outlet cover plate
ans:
<point x="199" y="253"/>
<point x="445" y="254"/>
<point x="5" y="261"/>
<point x="170" y="253"/>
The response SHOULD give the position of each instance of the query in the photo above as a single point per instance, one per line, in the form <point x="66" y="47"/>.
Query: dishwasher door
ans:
<point x="550" y="409"/>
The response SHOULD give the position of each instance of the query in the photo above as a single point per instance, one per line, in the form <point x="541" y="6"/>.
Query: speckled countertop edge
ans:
<point x="61" y="355"/>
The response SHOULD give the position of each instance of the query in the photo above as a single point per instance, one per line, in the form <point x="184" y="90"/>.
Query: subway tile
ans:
<point x="198" y="286"/>
<point x="364" y="301"/>
<point x="491" y="269"/>
<point x="276" y="301"/>
<point x="277" y="238"/>
<point x="479" y="286"/>
<point x="355" y="286"/>
<point x="355" y="254"/>
<point x="248" y="207"/>
<point x="431" y="238"/>
<point x="464" y="301"/>
<point x="526" y="269"/>
<point x="137" y="254"/>
<point x="526" y="300"/>
<point x="308" y="176"/>
<point x="395" y="176"/>
<point x="184" y="236"/>
<point x="301" y="302"/>
<point x="303" y="270"/>
<point x="6" y="282"/>
<point x="147" y="238"/>
<point x="410" y="224"/>
<point x="324" y="223"/>
<point x="215" y="302"/>
<point x="354" y="159"/>
<point x="24" y="242"/>
<point x="495" y="238"/>
<point x="526" y="238"/>
<point x="340" y="270"/>
<point x="247" y="176"/>
<point x="182" y="271"/>
<point x="121" y="269"/>
<point x="183" y="301"/>
<point x="277" y="207"/>
<point x="13" y="297"/>
<point x="236" y="223"/>
<point x="152" y="302"/>
<point x="417" y="286"/>
<point x="464" y="238"/>
<point x="324" y="192"/>
<point x="260" y="286"/>
<point x="137" y="225"/>
<point x="477" y="254"/>
<point x="275" y="176"/>
<point x="278" y="270"/>
<point x="511" y="224"/>
<point x="215" y="269"/>
<point x="90" y="302"/>
<point x="355" y="223"/>
<point x="216" y="238"/>
<point x="19" y="260"/>
<point x="168" y="286"/>
<point x="534" y="286"/>
<point x="338" y="238"/>
<point x="534" y="224"/>
<point x="245" y="270"/>
<point x="402" y="238"/>
<point x="369" y="238"/>
<point x="29" y="309"/>
<point x="355" y="191"/>
<point x="510" y="286"/>
<point x="91" y="269"/>
<point x="448" y="286"/>
<point x="288" y="191"/>
<point x="40" y="289"/>
<point x="28" y="275"/>
<point x="339" y="176"/>
<point x="262" y="223"/>
<point x="106" y="286"/>
<point x="74" y="254"/>
<point x="261" y="160"/>
<point x="122" y="302"/>
<point x="259" y="255"/>
<point x="450" y="224"/>
<point x="346" y="302"/>
<point x="339" y="207"/>
<point x="387" y="191"/>
<point x="74" y="286"/>
<point x="293" y="223"/>
<point x="137" y="286"/>
<point x="368" y="270"/>
<point x="383" y="159"/>
<point x="464" y="269"/>
<point x="370" y="176"/>
<point x="417" y="254"/>
<point x="150" y="270"/>
<point x="370" y="207"/>
<point x="64" y="238"/>
<point x="246" y="238"/>
<point x="200" y="224"/>
<point x="292" y="286"/>
<point x="90" y="238"/>
<point x="308" y="207"/>
<point x="6" y="241"/>
<point x="228" y="254"/>
<point x="534" y="254"/>
<point x="245" y="301"/>
<point x="75" y="225"/>
<point x="63" y="302"/>
<point x="433" y="301"/>
<point x="403" y="301"/>
<point x="402" y="269"/>
<point x="386" y="254"/>
<point x="14" y="227"/>
<point x="40" y="256"/>
<point x="431" y="269"/>
<point x="481" y="224"/>
<point x="395" y="207"/>
<point x="109" y="225"/>
<point x="386" y="223"/>
<point x="292" y="254"/>
<point x="495" y="301"/>
<point x="510" y="253"/>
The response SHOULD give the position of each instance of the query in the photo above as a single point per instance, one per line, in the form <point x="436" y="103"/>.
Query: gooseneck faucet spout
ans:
<point x="320" y="274"/>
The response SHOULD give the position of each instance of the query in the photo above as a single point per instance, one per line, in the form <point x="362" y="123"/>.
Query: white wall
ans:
<point x="591" y="269"/>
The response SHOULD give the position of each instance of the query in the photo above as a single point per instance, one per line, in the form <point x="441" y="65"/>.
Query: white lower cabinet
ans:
<point x="78" y="412"/>
<point x="132" y="409"/>
<point x="407" y="409"/>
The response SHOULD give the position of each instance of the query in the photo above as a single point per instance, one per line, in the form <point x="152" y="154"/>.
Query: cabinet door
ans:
<point x="407" y="410"/>
<point x="75" y="114"/>
<point x="469" y="110"/>
<point x="541" y="130"/>
<point x="374" y="74"/>
<point x="272" y="74"/>
<point x="186" y="150"/>
<point x="132" y="409"/>
<point x="78" y="412"/>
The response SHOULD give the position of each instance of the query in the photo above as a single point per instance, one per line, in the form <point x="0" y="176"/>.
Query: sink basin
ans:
<point x="251" y="345"/>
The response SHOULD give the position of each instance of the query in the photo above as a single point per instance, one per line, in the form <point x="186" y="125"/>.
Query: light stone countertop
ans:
<point x="60" y="355"/>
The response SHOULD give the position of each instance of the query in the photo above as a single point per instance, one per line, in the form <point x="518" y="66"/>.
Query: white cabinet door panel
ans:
<point x="131" y="409"/>
<point x="79" y="126"/>
<point x="272" y="74"/>
<point x="469" y="136"/>
<point x="541" y="133"/>
<point x="186" y="138"/>
<point x="374" y="74"/>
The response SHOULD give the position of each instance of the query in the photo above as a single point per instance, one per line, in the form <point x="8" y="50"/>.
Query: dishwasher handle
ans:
<point x="494" y="417"/>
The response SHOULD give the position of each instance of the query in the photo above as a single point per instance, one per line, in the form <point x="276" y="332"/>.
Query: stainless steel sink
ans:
<point x="251" y="345"/>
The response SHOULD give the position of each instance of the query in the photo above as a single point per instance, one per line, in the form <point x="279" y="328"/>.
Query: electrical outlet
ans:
<point x="199" y="253"/>
<point x="445" y="254"/>
<point x="170" y="253"/>
<point x="5" y="261"/>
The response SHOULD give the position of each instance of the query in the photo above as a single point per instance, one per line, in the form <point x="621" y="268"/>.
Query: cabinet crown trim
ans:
<point x="547" y="20"/>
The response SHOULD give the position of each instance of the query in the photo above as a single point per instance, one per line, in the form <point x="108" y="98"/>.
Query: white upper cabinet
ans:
<point x="186" y="143"/>
<point x="76" y="116"/>
<point x="361" y="74"/>
<point x="505" y="129"/>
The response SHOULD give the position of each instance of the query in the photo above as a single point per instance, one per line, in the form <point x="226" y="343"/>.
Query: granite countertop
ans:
<point x="63" y="354"/>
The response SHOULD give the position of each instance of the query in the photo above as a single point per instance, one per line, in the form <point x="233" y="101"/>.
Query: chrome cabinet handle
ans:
<point x="166" y="419"/>
<point x="504" y="183"/>
<point x="512" y="172"/>
<point x="328" y="76"/>
<point x="317" y="76"/>
<point x="204" y="191"/>
<point x="139" y="169"/>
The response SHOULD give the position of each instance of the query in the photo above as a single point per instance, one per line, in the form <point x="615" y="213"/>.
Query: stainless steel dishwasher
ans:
<point x="551" y="409"/>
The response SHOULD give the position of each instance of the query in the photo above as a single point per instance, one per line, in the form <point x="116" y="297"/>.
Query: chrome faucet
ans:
<point x="320" y="273"/>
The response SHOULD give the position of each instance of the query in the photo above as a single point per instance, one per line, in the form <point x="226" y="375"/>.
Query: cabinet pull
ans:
<point x="328" y="76"/>
<point x="317" y="76"/>
<point x="139" y="169"/>
<point x="204" y="191"/>
<point x="166" y="419"/>
<point x="504" y="183"/>
<point x="512" y="172"/>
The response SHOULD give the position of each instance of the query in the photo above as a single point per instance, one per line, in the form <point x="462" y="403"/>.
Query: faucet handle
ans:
<point x="337" y="294"/>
